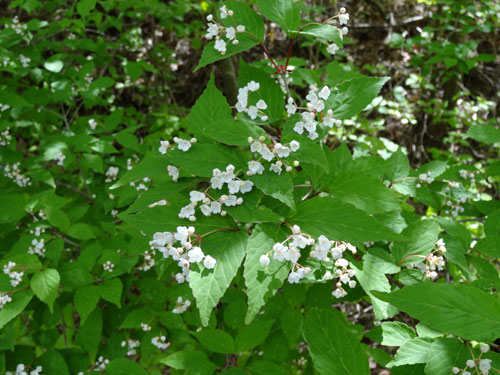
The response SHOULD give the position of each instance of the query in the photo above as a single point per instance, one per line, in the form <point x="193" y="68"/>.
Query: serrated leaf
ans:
<point x="84" y="7"/>
<point x="85" y="300"/>
<point x="422" y="237"/>
<point x="13" y="211"/>
<point x="484" y="133"/>
<point x="81" y="231"/>
<point x="284" y="12"/>
<point x="262" y="282"/>
<point x="291" y="324"/>
<point x="333" y="347"/>
<point x="89" y="334"/>
<point x="57" y="218"/>
<point x="111" y="290"/>
<point x="12" y="309"/>
<point x="339" y="221"/>
<point x="323" y="31"/>
<point x="193" y="361"/>
<point x="208" y="286"/>
<point x="45" y="285"/>
<point x="460" y="310"/>
<point x="124" y="366"/>
<point x="277" y="186"/>
<point x="444" y="354"/>
<point x="216" y="341"/>
<point x="232" y="132"/>
<point x="150" y="166"/>
<point x="411" y="352"/>
<point x="248" y="337"/>
<point x="354" y="95"/>
<point x="396" y="333"/>
<point x="52" y="362"/>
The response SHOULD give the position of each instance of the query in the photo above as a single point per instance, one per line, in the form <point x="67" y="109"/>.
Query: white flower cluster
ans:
<point x="215" y="30"/>
<point x="14" y="173"/>
<point x="433" y="263"/>
<point x="25" y="61"/>
<point x="466" y="175"/>
<point x="290" y="250"/>
<point x="268" y="153"/>
<point x="108" y="266"/>
<point x="253" y="111"/>
<point x="149" y="260"/>
<point x="424" y="178"/>
<point x="38" y="247"/>
<point x="184" y="253"/>
<point x="477" y="365"/>
<point x="38" y="231"/>
<point x="182" y="144"/>
<point x="111" y="174"/>
<point x="160" y="342"/>
<point x="316" y="104"/>
<point x="15" y="277"/>
<point x="131" y="345"/>
<point x="142" y="185"/>
<point x="343" y="19"/>
<point x="60" y="158"/>
<point x="130" y="162"/>
<point x="101" y="363"/>
<point x="173" y="172"/>
<point x="145" y="327"/>
<point x="454" y="207"/>
<point x="21" y="370"/>
<point x="4" y="299"/>
<point x="5" y="136"/>
<point x="92" y="124"/>
<point x="4" y="107"/>
<point x="181" y="306"/>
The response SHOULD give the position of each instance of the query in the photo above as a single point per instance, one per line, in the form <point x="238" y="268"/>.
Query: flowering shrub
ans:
<point x="248" y="243"/>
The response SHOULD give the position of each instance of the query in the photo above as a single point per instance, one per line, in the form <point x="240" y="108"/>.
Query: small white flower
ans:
<point x="195" y="255"/>
<point x="485" y="348"/>
<point x="255" y="167"/>
<point x="261" y="104"/>
<point x="253" y="111"/>
<point x="332" y="48"/>
<point x="324" y="93"/>
<point x="266" y="154"/>
<point x="470" y="363"/>
<point x="294" y="146"/>
<point x="240" y="28"/>
<point x="220" y="45"/>
<point x="253" y="86"/>
<point x="196" y="196"/>
<point x="343" y="18"/>
<point x="183" y="144"/>
<point x="485" y="365"/>
<point x="246" y="186"/>
<point x="163" y="147"/>
<point x="291" y="108"/>
<point x="293" y="277"/>
<point x="233" y="186"/>
<point x="299" y="127"/>
<point x="173" y="172"/>
<point x="209" y="262"/>
<point x="223" y="12"/>
<point x="264" y="260"/>
<point x="215" y="207"/>
<point x="276" y="168"/>
<point x="230" y="33"/>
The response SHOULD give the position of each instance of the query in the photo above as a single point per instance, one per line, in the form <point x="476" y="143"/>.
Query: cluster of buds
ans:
<point x="131" y="163"/>
<point x="476" y="365"/>
<point x="18" y="27"/>
<point x="160" y="342"/>
<point x="149" y="260"/>
<point x="24" y="60"/>
<point x="433" y="262"/>
<point x="269" y="153"/>
<point x="5" y="136"/>
<point x="142" y="184"/>
<point x="108" y="266"/>
<point x="131" y="345"/>
<point x="468" y="175"/>
<point x="22" y="370"/>
<point x="4" y="299"/>
<point x="101" y="363"/>
<point x="145" y="327"/>
<point x="60" y="158"/>
<point x="182" y="144"/>
<point x="215" y="31"/>
<point x="211" y="205"/>
<point x="454" y="208"/>
<point x="181" y="306"/>
<point x="111" y="174"/>
<point x="15" y="277"/>
<point x="315" y="105"/>
<point x="37" y="231"/>
<point x="252" y="111"/>
<point x="179" y="246"/>
<point x="14" y="173"/>
<point x="323" y="250"/>
<point x="38" y="247"/>
<point x="424" y="178"/>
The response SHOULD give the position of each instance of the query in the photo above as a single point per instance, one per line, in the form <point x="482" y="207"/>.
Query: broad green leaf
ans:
<point x="89" y="333"/>
<point x="339" y="221"/>
<point x="277" y="186"/>
<point x="422" y="237"/>
<point x="13" y="211"/>
<point x="193" y="361"/>
<point x="333" y="347"/>
<point x="266" y="368"/>
<point x="457" y="239"/>
<point x="262" y="282"/>
<point x="111" y="290"/>
<point x="444" y="354"/>
<point x="81" y="231"/>
<point x="455" y="309"/>
<point x="354" y="95"/>
<point x="291" y="324"/>
<point x="52" y="362"/>
<point x="124" y="366"/>
<point x="400" y="166"/>
<point x="284" y="12"/>
<point x="364" y="192"/>
<point x="57" y="218"/>
<point x="338" y="73"/>
<point x="208" y="286"/>
<point x="252" y="211"/>
<point x="85" y="300"/>
<point x="411" y="352"/>
<point x="150" y="166"/>
<point x="135" y="317"/>
<point x="323" y="31"/>
<point x="248" y="337"/>
<point x="216" y="341"/>
<point x="84" y="7"/>
<point x="232" y="132"/>
<point x="269" y="91"/>
<point x="396" y="333"/>
<point x="492" y="224"/>
<point x="210" y="107"/>
<point x="45" y="284"/>
<point x="244" y="15"/>
<point x="484" y="133"/>
<point x="12" y="309"/>
<point x="309" y="151"/>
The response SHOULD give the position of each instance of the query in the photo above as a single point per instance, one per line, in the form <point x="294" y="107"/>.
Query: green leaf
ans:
<point x="150" y="166"/>
<point x="411" y="352"/>
<point x="354" y="95"/>
<point x="53" y="66"/>
<point x="124" y="366"/>
<point x="228" y="248"/>
<point x="232" y="132"/>
<point x="89" y="334"/>
<point x="12" y="309"/>
<point x="52" y="362"/>
<point x="364" y="192"/>
<point x="484" y="133"/>
<point x="333" y="347"/>
<point x="111" y="290"/>
<point x="193" y="361"/>
<point x="252" y="335"/>
<point x="85" y="300"/>
<point x="400" y="166"/>
<point x="456" y="309"/>
<point x="422" y="237"/>
<point x="210" y="107"/>
<point x="444" y="354"/>
<point x="57" y="218"/>
<point x="284" y="12"/>
<point x="13" y="211"/>
<point x="338" y="73"/>
<point x="84" y="7"/>
<point x="339" y="221"/>
<point x="262" y="282"/>
<point x="45" y="284"/>
<point x="277" y="186"/>
<point x="291" y="324"/>
<point x="323" y="31"/>
<point x="396" y="333"/>
<point x="81" y="231"/>
<point x="216" y="341"/>
<point x="269" y="90"/>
